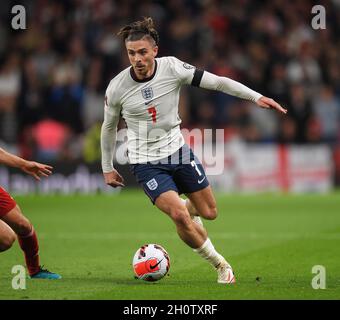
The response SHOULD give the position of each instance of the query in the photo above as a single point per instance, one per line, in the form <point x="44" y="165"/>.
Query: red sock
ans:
<point x="29" y="244"/>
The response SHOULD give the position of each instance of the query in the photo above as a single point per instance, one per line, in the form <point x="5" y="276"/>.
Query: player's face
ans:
<point x="142" y="55"/>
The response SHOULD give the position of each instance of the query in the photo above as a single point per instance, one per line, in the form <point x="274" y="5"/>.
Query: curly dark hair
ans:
<point x="138" y="30"/>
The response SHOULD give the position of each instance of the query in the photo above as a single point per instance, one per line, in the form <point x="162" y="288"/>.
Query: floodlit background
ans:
<point x="53" y="76"/>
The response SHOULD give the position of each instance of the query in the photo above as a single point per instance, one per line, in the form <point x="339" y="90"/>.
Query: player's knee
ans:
<point x="210" y="213"/>
<point x="7" y="241"/>
<point x="23" y="227"/>
<point x="180" y="215"/>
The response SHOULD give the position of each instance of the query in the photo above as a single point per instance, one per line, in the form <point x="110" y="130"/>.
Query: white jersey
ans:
<point x="150" y="108"/>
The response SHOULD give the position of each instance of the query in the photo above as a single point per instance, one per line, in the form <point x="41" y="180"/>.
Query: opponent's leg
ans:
<point x="26" y="237"/>
<point x="28" y="242"/>
<point x="203" y="203"/>
<point x="7" y="236"/>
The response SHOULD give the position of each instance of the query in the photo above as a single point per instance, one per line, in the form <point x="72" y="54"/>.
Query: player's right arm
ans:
<point x="108" y="141"/>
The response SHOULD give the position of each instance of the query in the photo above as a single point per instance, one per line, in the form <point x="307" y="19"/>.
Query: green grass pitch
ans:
<point x="272" y="241"/>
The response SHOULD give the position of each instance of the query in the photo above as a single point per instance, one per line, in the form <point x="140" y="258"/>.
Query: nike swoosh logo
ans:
<point x="200" y="181"/>
<point x="153" y="267"/>
<point x="146" y="103"/>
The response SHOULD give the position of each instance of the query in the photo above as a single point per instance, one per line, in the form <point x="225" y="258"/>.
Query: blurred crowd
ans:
<point x="53" y="74"/>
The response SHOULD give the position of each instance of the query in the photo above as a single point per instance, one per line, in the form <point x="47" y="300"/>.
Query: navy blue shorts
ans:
<point x="181" y="172"/>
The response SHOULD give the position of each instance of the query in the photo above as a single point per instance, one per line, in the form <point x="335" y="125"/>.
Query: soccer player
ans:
<point x="146" y="95"/>
<point x="14" y="224"/>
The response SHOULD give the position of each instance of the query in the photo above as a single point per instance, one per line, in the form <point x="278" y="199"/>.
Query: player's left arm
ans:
<point x="211" y="81"/>
<point x="35" y="169"/>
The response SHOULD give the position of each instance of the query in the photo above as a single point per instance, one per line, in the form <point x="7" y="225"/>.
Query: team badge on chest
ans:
<point x="147" y="93"/>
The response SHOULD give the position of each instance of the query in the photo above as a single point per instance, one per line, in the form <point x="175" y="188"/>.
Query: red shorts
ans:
<point x="7" y="203"/>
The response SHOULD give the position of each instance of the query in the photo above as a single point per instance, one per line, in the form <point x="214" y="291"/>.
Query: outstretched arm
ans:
<point x="35" y="169"/>
<point x="108" y="142"/>
<point x="234" y="88"/>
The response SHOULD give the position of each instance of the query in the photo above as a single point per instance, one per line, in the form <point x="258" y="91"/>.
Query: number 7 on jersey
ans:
<point x="153" y="112"/>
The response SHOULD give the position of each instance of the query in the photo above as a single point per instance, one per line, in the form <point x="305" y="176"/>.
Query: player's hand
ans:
<point x="269" y="103"/>
<point x="114" y="179"/>
<point x="36" y="169"/>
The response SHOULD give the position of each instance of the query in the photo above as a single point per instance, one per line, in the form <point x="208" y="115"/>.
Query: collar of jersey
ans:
<point x="134" y="77"/>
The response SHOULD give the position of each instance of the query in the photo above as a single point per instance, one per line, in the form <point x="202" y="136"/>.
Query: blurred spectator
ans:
<point x="93" y="97"/>
<point x="205" y="114"/>
<point x="278" y="84"/>
<point x="43" y="59"/>
<point x="266" y="123"/>
<point x="327" y="109"/>
<point x="49" y="139"/>
<point x="304" y="68"/>
<point x="9" y="91"/>
<point x="92" y="151"/>
<point x="66" y="94"/>
<point x="313" y="133"/>
<point x="300" y="112"/>
<point x="31" y="102"/>
<point x="287" y="131"/>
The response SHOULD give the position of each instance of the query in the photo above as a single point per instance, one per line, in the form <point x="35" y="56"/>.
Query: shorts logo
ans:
<point x="152" y="184"/>
<point x="147" y="93"/>
<point x="200" y="181"/>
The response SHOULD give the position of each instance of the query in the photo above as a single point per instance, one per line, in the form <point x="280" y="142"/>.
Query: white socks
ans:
<point x="208" y="252"/>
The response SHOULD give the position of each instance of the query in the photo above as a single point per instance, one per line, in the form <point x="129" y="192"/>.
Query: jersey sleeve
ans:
<point x="213" y="82"/>
<point x="111" y="101"/>
<point x="183" y="71"/>
<point x="109" y="128"/>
